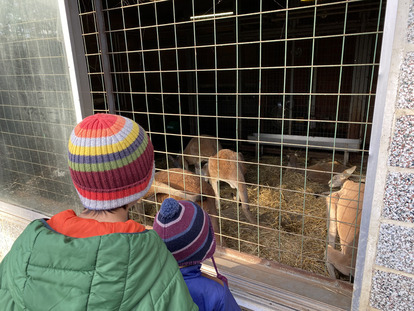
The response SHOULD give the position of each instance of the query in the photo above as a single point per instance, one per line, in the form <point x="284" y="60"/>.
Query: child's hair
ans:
<point x="111" y="161"/>
<point x="105" y="211"/>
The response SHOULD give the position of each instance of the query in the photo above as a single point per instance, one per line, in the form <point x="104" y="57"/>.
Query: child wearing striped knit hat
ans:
<point x="97" y="259"/>
<point x="188" y="234"/>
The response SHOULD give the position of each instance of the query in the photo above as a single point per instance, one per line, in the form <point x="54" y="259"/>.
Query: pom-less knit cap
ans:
<point x="111" y="161"/>
<point x="186" y="230"/>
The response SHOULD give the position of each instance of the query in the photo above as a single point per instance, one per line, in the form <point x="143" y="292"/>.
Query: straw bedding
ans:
<point x="291" y="223"/>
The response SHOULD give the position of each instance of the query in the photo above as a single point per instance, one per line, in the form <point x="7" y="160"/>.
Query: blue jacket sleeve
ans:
<point x="229" y="303"/>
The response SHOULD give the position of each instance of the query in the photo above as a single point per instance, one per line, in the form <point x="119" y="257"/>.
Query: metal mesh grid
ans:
<point x="274" y="80"/>
<point x="36" y="108"/>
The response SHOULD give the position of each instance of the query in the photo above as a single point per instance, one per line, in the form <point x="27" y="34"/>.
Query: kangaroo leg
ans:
<point x="244" y="199"/>
<point x="331" y="206"/>
<point x="331" y="270"/>
<point x="214" y="185"/>
<point x="186" y="166"/>
<point x="332" y="231"/>
<point x="340" y="261"/>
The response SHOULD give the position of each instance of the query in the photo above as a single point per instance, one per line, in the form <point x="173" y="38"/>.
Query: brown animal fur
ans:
<point x="195" y="155"/>
<point x="344" y="209"/>
<point x="226" y="166"/>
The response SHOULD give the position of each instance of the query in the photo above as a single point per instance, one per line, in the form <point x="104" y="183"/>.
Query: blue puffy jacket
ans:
<point x="208" y="294"/>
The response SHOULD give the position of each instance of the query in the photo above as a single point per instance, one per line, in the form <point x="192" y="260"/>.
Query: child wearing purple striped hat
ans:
<point x="187" y="231"/>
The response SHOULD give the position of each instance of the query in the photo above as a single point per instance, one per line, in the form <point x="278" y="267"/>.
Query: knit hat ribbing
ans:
<point x="186" y="230"/>
<point x="111" y="161"/>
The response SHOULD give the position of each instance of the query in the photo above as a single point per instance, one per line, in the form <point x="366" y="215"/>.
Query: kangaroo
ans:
<point x="226" y="166"/>
<point x="197" y="155"/>
<point x="344" y="209"/>
<point x="185" y="185"/>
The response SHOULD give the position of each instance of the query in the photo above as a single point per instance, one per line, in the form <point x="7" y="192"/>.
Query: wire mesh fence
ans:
<point x="261" y="102"/>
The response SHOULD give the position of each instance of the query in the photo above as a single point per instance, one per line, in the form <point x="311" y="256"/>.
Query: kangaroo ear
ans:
<point x="175" y="161"/>
<point x="339" y="179"/>
<point x="292" y="160"/>
<point x="349" y="171"/>
<point x="171" y="159"/>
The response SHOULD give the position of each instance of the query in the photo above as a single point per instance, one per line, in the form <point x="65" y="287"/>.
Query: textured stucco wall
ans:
<point x="387" y="280"/>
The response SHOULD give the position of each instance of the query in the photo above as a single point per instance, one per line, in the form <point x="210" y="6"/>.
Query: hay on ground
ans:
<point x="291" y="223"/>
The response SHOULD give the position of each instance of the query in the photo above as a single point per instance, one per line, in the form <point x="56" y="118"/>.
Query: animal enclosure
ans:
<point x="287" y="86"/>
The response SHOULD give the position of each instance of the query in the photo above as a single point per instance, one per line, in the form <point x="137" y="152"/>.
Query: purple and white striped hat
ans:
<point x="186" y="230"/>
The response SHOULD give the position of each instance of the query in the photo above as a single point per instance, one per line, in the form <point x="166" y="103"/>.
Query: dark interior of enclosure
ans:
<point x="272" y="72"/>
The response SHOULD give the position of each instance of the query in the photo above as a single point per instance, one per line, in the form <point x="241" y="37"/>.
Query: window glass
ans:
<point x="36" y="108"/>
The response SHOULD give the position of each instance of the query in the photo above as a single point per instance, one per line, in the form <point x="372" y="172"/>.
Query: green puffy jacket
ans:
<point x="46" y="270"/>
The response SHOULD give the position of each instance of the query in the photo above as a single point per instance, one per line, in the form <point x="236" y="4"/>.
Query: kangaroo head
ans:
<point x="293" y="160"/>
<point x="176" y="161"/>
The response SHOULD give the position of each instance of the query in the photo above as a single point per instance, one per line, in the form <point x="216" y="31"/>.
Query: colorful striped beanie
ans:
<point x="111" y="161"/>
<point x="186" y="230"/>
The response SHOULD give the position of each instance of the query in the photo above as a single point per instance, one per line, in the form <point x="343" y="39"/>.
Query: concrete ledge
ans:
<point x="19" y="212"/>
<point x="13" y="220"/>
<point x="259" y="284"/>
